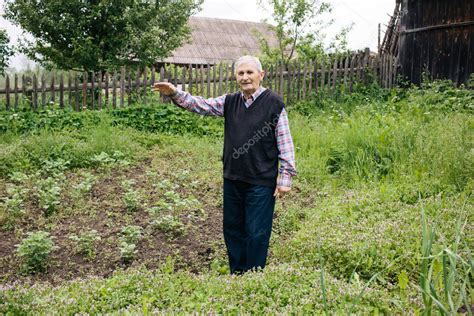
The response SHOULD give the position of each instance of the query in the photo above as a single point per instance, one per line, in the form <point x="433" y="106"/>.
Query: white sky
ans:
<point x="365" y="14"/>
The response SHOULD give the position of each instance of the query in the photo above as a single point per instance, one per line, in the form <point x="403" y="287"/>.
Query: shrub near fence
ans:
<point x="118" y="88"/>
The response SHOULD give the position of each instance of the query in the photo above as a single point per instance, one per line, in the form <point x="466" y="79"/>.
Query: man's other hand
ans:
<point x="280" y="191"/>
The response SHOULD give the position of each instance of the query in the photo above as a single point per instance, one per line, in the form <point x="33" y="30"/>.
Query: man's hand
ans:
<point x="165" y="88"/>
<point x="281" y="191"/>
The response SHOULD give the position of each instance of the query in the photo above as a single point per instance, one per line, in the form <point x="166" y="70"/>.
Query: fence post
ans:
<point x="99" y="96"/>
<point x="43" y="90"/>
<point x="16" y="91"/>
<point x="93" y="90"/>
<point x="145" y="83"/>
<point x="334" y="76"/>
<point x="53" y="94"/>
<point x="7" y="91"/>
<point x="35" y="92"/>
<point x="76" y="94"/>
<point x="61" y="90"/>
<point x="208" y="80"/>
<point x="114" y="89"/>
<point x="69" y="90"/>
<point x="220" y="79"/>
<point x="122" y="86"/>
<point x="129" y="87"/>
<point x="316" y="77"/>
<point x="84" y="91"/>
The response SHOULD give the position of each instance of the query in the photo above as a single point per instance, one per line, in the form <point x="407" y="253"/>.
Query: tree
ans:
<point x="292" y="18"/>
<point x="93" y="35"/>
<point x="299" y="28"/>
<point x="6" y="51"/>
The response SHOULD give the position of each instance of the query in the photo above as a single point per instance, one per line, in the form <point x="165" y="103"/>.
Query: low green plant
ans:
<point x="131" y="197"/>
<point x="48" y="192"/>
<point x="85" y="242"/>
<point x="127" y="251"/>
<point x="445" y="273"/>
<point x="131" y="234"/>
<point x="12" y="205"/>
<point x="169" y="224"/>
<point x="85" y="185"/>
<point x="128" y="240"/>
<point x="34" y="251"/>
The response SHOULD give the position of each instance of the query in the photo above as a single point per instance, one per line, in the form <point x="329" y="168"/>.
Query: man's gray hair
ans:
<point x="248" y="59"/>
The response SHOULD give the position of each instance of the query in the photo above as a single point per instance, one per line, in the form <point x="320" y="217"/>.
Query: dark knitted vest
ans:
<point x="250" y="146"/>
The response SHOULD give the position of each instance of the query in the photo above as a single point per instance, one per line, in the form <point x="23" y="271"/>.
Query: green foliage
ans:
<point x="12" y="205"/>
<point x="85" y="185"/>
<point x="167" y="119"/>
<point x="97" y="35"/>
<point x="131" y="197"/>
<point x="445" y="276"/>
<point x="128" y="242"/>
<point x="49" y="195"/>
<point x="283" y="289"/>
<point x="300" y="28"/>
<point x="377" y="172"/>
<point x="399" y="136"/>
<point x="35" y="250"/>
<point x="293" y="18"/>
<point x="169" y="224"/>
<point x="6" y="51"/>
<point x="85" y="242"/>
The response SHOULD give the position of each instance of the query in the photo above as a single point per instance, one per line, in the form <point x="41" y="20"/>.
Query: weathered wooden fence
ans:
<point x="294" y="82"/>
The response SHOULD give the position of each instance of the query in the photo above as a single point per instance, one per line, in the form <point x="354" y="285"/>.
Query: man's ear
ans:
<point x="262" y="74"/>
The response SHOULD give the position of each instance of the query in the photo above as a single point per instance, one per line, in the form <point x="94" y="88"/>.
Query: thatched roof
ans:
<point x="219" y="40"/>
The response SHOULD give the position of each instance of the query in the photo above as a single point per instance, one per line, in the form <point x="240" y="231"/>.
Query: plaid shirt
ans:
<point x="215" y="106"/>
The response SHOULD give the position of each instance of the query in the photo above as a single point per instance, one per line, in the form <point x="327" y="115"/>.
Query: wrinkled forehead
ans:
<point x="247" y="66"/>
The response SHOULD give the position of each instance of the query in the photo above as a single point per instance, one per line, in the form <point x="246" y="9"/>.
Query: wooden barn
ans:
<point x="435" y="37"/>
<point x="220" y="40"/>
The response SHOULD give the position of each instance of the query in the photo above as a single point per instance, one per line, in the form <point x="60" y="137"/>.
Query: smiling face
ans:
<point x="248" y="77"/>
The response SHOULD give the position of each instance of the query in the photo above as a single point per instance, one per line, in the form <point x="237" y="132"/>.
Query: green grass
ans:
<point x="382" y="204"/>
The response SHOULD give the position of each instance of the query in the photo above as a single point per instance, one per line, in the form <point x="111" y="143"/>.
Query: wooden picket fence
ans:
<point x="124" y="87"/>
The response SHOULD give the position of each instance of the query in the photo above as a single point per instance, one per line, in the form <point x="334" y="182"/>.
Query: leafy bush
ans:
<point x="35" y="250"/>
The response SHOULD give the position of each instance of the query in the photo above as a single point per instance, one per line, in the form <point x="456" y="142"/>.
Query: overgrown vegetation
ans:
<point x="379" y="220"/>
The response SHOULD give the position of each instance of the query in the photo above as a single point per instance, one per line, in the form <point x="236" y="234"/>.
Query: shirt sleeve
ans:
<point x="211" y="106"/>
<point x="286" y="151"/>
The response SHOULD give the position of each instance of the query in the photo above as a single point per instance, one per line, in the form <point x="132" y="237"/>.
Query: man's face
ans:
<point x="248" y="77"/>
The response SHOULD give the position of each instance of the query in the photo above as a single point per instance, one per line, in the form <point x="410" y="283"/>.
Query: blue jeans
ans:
<point x="248" y="216"/>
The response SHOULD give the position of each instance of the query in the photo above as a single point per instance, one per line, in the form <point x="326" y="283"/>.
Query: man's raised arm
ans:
<point x="211" y="106"/>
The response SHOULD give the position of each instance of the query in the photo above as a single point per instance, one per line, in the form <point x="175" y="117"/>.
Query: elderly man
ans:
<point x="256" y="139"/>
